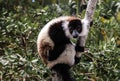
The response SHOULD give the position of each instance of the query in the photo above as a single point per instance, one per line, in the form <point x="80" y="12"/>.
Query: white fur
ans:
<point x="43" y="37"/>
<point x="64" y="18"/>
<point x="85" y="28"/>
<point x="66" y="29"/>
<point x="67" y="57"/>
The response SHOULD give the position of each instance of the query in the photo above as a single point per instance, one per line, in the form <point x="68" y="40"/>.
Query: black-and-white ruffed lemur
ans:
<point x="55" y="47"/>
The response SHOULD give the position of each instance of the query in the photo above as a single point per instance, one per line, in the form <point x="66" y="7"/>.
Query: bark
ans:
<point x="90" y="10"/>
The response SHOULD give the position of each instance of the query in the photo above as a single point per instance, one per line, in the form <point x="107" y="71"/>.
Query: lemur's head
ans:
<point x="75" y="28"/>
<point x="79" y="28"/>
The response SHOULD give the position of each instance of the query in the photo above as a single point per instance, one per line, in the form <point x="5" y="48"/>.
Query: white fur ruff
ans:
<point x="67" y="57"/>
<point x="85" y="28"/>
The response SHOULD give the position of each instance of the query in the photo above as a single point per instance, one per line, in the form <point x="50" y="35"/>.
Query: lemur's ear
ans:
<point x="91" y="23"/>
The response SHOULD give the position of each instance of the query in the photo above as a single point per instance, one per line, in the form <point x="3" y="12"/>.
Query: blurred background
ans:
<point x="22" y="20"/>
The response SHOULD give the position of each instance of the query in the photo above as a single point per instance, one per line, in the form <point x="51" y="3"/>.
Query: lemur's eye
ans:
<point x="71" y="29"/>
<point x="79" y="29"/>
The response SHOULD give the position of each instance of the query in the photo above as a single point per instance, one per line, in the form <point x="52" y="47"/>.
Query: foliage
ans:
<point x="21" y="21"/>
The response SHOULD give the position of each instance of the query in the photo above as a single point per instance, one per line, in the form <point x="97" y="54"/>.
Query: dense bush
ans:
<point x="21" y="21"/>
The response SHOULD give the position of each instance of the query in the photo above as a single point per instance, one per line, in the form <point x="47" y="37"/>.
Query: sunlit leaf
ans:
<point x="104" y="34"/>
<point x="118" y="17"/>
<point x="104" y="20"/>
<point x="34" y="61"/>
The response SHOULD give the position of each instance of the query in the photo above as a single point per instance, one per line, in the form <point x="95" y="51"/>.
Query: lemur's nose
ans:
<point x="75" y="36"/>
<point x="75" y="33"/>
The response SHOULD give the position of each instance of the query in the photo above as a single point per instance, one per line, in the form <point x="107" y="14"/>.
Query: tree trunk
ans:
<point x="90" y="10"/>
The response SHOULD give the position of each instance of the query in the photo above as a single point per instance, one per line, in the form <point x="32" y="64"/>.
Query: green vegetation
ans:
<point x="21" y="21"/>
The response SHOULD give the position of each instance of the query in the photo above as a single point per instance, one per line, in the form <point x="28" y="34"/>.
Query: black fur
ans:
<point x="77" y="60"/>
<point x="79" y="48"/>
<point x="58" y="36"/>
<point x="91" y="23"/>
<point x="63" y="70"/>
<point x="75" y="24"/>
<point x="57" y="50"/>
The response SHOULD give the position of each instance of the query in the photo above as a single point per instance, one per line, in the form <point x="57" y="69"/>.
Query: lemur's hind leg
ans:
<point x="62" y="71"/>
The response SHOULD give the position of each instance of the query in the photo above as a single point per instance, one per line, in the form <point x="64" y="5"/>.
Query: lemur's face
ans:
<point x="79" y="29"/>
<point x="75" y="28"/>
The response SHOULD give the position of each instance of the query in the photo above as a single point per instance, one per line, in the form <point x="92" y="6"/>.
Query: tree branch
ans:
<point x="90" y="10"/>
